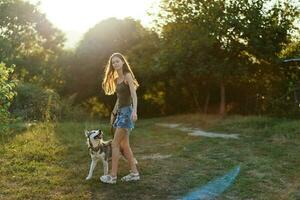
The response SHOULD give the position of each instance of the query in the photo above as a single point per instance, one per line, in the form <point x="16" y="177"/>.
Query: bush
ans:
<point x="96" y="108"/>
<point x="70" y="111"/>
<point x="7" y="94"/>
<point x="36" y="103"/>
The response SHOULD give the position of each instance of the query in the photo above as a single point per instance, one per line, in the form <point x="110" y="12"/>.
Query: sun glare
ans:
<point x="76" y="17"/>
<point x="82" y="14"/>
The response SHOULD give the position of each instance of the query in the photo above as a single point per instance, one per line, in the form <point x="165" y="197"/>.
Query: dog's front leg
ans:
<point x="105" y="167"/>
<point x="92" y="167"/>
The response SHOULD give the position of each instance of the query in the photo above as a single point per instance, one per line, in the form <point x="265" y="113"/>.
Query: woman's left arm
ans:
<point x="129" y="80"/>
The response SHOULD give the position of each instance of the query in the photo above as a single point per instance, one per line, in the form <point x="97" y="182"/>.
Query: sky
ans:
<point x="75" y="17"/>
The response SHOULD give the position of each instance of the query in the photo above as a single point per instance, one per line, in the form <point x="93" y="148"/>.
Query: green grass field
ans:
<point x="51" y="161"/>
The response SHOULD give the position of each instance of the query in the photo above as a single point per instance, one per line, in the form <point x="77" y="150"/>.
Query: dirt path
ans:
<point x="198" y="132"/>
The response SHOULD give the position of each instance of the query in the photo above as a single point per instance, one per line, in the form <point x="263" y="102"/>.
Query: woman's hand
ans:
<point x="134" y="116"/>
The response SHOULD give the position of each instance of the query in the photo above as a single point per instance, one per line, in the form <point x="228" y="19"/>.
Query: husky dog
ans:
<point x="99" y="150"/>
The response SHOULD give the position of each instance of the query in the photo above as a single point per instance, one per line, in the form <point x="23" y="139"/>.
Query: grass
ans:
<point x="51" y="161"/>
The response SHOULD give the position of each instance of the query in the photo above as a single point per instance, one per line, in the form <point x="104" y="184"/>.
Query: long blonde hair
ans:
<point x="108" y="83"/>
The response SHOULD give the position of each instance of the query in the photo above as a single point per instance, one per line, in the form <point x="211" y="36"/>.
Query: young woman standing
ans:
<point x="119" y="78"/>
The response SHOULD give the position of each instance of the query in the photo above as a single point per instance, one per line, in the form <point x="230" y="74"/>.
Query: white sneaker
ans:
<point x="131" y="177"/>
<point x="108" y="179"/>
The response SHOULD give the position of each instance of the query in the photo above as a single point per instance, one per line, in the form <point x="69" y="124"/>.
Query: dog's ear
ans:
<point x="86" y="133"/>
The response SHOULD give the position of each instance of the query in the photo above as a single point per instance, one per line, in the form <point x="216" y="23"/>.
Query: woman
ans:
<point x="119" y="78"/>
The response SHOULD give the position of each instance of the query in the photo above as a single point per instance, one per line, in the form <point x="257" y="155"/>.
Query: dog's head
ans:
<point x="94" y="137"/>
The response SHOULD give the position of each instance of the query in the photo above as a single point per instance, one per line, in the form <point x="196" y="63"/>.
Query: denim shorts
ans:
<point x="123" y="119"/>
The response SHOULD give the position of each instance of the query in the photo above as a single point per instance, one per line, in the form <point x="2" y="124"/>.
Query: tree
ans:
<point x="222" y="41"/>
<point x="29" y="40"/>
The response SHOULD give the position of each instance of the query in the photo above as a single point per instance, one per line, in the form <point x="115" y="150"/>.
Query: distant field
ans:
<point x="51" y="161"/>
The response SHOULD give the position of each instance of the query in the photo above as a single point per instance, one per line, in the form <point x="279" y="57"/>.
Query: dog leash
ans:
<point x="112" y="131"/>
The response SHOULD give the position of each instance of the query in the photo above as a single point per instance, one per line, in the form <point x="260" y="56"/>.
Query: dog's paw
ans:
<point x="88" y="177"/>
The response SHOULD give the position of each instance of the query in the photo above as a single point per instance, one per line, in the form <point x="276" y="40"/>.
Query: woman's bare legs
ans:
<point x="125" y="145"/>
<point x="118" y="137"/>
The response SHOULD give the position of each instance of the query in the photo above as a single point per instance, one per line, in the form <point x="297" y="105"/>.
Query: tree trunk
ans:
<point x="206" y="102"/>
<point x="195" y="98"/>
<point x="223" y="98"/>
<point x="193" y="90"/>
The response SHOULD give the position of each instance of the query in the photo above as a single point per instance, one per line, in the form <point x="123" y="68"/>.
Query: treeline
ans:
<point x="202" y="56"/>
<point x="229" y="54"/>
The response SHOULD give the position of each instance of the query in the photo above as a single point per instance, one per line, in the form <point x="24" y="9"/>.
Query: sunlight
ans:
<point x="83" y="14"/>
<point x="76" y="17"/>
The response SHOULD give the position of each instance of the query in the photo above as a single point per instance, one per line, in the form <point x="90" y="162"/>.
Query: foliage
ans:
<point x="202" y="56"/>
<point x="96" y="108"/>
<point x="72" y="112"/>
<point x="29" y="40"/>
<point x="208" y="45"/>
<point x="7" y="93"/>
<point x="36" y="103"/>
